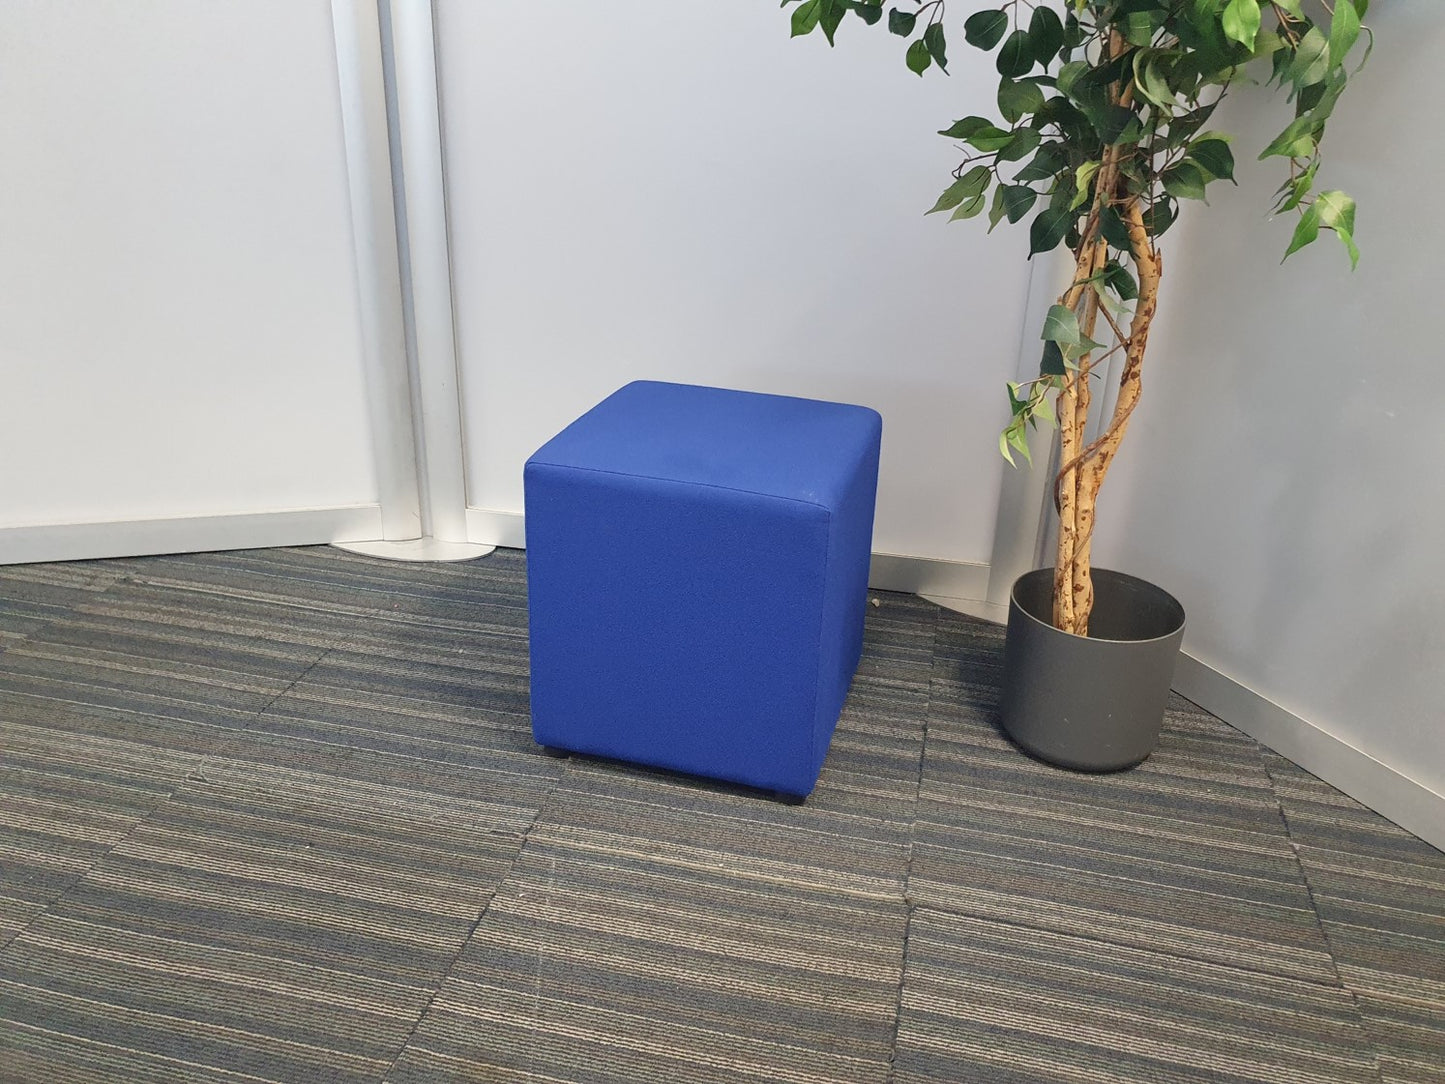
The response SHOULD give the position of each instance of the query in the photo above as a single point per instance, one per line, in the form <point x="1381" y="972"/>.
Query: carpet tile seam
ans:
<point x="909" y="907"/>
<point x="472" y="932"/>
<point x="175" y="786"/>
<point x="1121" y="879"/>
<point x="90" y="867"/>
<point x="1111" y="943"/>
<point x="1354" y="994"/>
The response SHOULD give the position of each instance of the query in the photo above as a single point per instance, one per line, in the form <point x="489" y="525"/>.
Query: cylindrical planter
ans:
<point x="1095" y="703"/>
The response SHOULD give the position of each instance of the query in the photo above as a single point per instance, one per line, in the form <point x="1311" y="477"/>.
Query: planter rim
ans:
<point x="1015" y="604"/>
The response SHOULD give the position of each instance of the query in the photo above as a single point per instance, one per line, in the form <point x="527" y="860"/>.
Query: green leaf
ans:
<point x="1336" y="210"/>
<point x="1241" y="21"/>
<point x="1344" y="31"/>
<point x="1023" y="143"/>
<point x="1046" y="34"/>
<point x="1018" y="439"/>
<point x="1018" y="99"/>
<point x="1305" y="231"/>
<point x="1061" y="326"/>
<point x="1311" y="61"/>
<point x="996" y="209"/>
<point x="1138" y="27"/>
<point x="832" y="15"/>
<point x="901" y="22"/>
<point x="1049" y="228"/>
<point x="1017" y="200"/>
<point x="1186" y="180"/>
<point x="1046" y="164"/>
<point x="985" y="29"/>
<point x="1118" y="279"/>
<point x="1052" y="363"/>
<point x="1070" y="74"/>
<point x="1082" y="176"/>
<point x="1113" y="229"/>
<point x="869" y="13"/>
<point x="1016" y="57"/>
<point x="968" y="208"/>
<point x="1159" y="216"/>
<point x="1116" y="124"/>
<point x="1296" y="141"/>
<point x="1295" y="189"/>
<point x="917" y="58"/>
<point x="1044" y="409"/>
<point x="970" y="184"/>
<point x="962" y="129"/>
<point x="1150" y="81"/>
<point x="934" y="40"/>
<point x="1213" y="155"/>
<point x="805" y="18"/>
<point x="991" y="138"/>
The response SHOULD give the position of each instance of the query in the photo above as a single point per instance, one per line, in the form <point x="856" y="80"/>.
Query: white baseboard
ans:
<point x="1388" y="792"/>
<point x="189" y="534"/>
<point x="492" y="528"/>
<point x="928" y="576"/>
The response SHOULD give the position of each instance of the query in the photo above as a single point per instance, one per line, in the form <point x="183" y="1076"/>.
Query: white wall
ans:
<point x="1283" y="475"/>
<point x="179" y="326"/>
<point x="648" y="188"/>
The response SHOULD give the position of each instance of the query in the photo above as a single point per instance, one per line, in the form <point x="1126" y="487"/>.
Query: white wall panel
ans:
<point x="179" y="325"/>
<point x="649" y="188"/>
<point x="1283" y="474"/>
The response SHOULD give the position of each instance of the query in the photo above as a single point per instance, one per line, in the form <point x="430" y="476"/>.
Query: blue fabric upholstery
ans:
<point x="697" y="568"/>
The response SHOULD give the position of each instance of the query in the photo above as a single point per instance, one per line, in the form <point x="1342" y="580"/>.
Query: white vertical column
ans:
<point x="356" y="25"/>
<point x="405" y="31"/>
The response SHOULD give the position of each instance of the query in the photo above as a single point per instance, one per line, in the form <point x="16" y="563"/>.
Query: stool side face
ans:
<point x="676" y="625"/>
<point x="845" y="599"/>
<point x="766" y="444"/>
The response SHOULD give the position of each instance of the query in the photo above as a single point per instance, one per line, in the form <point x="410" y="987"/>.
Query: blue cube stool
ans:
<point x="697" y="575"/>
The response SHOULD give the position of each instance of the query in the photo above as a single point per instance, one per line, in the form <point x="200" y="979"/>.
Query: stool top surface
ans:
<point x="776" y="445"/>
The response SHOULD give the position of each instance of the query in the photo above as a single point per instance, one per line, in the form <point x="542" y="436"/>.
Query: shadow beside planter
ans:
<point x="1092" y="703"/>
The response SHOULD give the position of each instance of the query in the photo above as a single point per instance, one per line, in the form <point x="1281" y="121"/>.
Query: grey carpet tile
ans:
<point x="1192" y="860"/>
<point x="992" y="1003"/>
<point x="321" y="709"/>
<point x="65" y="800"/>
<point x="605" y="961"/>
<point x="685" y="822"/>
<point x="31" y="596"/>
<point x="170" y="688"/>
<point x="470" y="789"/>
<point x="490" y="682"/>
<point x="353" y="590"/>
<point x="1409" y="1039"/>
<point x="1379" y="891"/>
<point x="872" y="765"/>
<point x="899" y="633"/>
<point x="288" y="925"/>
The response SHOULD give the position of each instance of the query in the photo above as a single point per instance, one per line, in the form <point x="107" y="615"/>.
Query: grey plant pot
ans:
<point x="1092" y="703"/>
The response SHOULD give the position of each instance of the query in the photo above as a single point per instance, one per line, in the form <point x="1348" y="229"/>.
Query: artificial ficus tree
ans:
<point x="1104" y="108"/>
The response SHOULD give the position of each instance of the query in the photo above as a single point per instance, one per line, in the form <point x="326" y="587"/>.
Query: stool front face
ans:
<point x="690" y="625"/>
<point x="672" y="627"/>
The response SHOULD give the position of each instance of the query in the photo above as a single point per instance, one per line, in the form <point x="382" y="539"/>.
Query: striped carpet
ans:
<point x="277" y="816"/>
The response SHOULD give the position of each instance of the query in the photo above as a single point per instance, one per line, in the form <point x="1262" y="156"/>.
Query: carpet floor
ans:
<point x="277" y="816"/>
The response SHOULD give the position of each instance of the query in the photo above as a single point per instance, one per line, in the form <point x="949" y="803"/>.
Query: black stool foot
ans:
<point x="790" y="799"/>
<point x="553" y="751"/>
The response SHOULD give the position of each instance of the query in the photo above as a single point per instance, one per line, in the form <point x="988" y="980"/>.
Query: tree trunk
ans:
<point x="1071" y="442"/>
<point x="1084" y="469"/>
